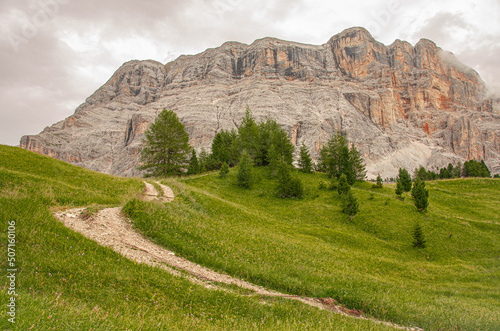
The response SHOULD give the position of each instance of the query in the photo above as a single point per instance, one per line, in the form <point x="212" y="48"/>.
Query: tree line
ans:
<point x="167" y="152"/>
<point x="471" y="168"/>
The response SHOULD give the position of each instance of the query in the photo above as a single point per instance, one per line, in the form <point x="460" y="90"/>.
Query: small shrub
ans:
<point x="371" y="197"/>
<point x="322" y="185"/>
<point x="334" y="184"/>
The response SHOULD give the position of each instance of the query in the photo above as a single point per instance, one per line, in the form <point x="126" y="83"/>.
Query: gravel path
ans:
<point x="110" y="228"/>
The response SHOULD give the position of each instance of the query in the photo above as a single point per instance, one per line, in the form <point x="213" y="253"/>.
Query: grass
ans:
<point x="308" y="247"/>
<point x="68" y="282"/>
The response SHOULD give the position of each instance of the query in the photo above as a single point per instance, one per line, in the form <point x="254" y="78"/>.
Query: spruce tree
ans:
<point x="337" y="158"/>
<point x="193" y="167"/>
<point x="418" y="237"/>
<point x="343" y="186"/>
<point x="244" y="177"/>
<point x="305" y="161"/>
<point x="350" y="204"/>
<point x="166" y="146"/>
<point x="248" y="134"/>
<point x="420" y="195"/>
<point x="288" y="186"/>
<point x="225" y="148"/>
<point x="379" y="182"/>
<point x="224" y="170"/>
<point x="273" y="158"/>
<point x="203" y="160"/>
<point x="405" y="179"/>
<point x="399" y="188"/>
<point x="357" y="163"/>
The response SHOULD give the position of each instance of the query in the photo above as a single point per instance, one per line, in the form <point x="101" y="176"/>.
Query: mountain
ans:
<point x="402" y="105"/>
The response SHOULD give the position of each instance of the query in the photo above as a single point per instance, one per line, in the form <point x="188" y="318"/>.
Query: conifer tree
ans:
<point x="405" y="179"/>
<point x="166" y="146"/>
<point x="350" y="204"/>
<point x="420" y="195"/>
<point x="305" y="161"/>
<point x="343" y="187"/>
<point x="357" y="163"/>
<point x="273" y="158"/>
<point x="244" y="177"/>
<point x="337" y="158"/>
<point x="224" y="170"/>
<point x="288" y="186"/>
<point x="193" y="167"/>
<point x="418" y="237"/>
<point x="379" y="182"/>
<point x="224" y="148"/>
<point x="203" y="160"/>
<point x="248" y="134"/>
<point x="399" y="188"/>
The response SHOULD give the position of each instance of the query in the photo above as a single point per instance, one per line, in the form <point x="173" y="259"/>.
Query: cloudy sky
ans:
<point x="56" y="53"/>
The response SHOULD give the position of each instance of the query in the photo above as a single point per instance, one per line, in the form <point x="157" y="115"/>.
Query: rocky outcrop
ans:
<point x="402" y="105"/>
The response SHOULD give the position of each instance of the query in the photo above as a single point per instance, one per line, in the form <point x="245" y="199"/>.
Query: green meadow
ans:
<point x="65" y="281"/>
<point x="309" y="247"/>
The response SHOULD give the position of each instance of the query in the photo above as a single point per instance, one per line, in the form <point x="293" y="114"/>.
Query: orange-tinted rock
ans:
<point x="402" y="105"/>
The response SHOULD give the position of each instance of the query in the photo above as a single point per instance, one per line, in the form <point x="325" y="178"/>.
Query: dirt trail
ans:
<point x="110" y="228"/>
<point x="150" y="193"/>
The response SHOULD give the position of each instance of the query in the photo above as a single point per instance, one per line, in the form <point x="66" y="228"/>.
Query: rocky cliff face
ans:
<point x="402" y="105"/>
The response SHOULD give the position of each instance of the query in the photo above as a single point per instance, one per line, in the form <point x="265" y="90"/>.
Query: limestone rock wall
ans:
<point x="402" y="105"/>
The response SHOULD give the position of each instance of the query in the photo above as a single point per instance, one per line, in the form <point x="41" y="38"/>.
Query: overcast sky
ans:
<point x="56" y="53"/>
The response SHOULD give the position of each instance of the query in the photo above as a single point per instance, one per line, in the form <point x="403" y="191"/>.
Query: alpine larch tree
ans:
<point x="166" y="146"/>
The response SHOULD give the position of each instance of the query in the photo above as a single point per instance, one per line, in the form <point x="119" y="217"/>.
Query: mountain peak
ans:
<point x="402" y="106"/>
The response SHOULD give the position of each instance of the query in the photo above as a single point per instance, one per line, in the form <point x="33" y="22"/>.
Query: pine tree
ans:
<point x="343" y="187"/>
<point x="248" y="134"/>
<point x="305" y="161"/>
<point x="451" y="170"/>
<point x="337" y="158"/>
<point x="357" y="163"/>
<point x="379" y="182"/>
<point x="399" y="188"/>
<point x="405" y="179"/>
<point x="273" y="158"/>
<point x="224" y="170"/>
<point x="418" y="237"/>
<point x="203" y="160"/>
<point x="288" y="186"/>
<point x="350" y="204"/>
<point x="244" y="177"/>
<point x="166" y="146"/>
<point x="457" y="171"/>
<point x="224" y="148"/>
<point x="420" y="195"/>
<point x="193" y="167"/>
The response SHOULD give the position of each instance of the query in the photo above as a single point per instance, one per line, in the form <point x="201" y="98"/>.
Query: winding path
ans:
<point x="110" y="228"/>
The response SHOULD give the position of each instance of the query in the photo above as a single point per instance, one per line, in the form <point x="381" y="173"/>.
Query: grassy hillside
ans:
<point x="309" y="247"/>
<point x="67" y="282"/>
